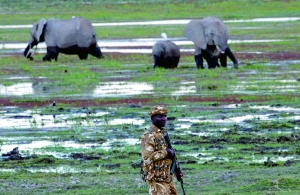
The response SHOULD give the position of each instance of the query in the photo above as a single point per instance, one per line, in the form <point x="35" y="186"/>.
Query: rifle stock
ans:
<point x="175" y="167"/>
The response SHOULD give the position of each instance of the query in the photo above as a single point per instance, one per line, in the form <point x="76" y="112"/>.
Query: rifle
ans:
<point x="175" y="167"/>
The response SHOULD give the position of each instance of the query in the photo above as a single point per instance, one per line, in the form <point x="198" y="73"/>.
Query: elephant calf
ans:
<point x="210" y="36"/>
<point x="74" y="36"/>
<point x="165" y="54"/>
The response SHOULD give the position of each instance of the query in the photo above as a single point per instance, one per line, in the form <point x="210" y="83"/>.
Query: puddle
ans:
<point x="35" y="121"/>
<point x="128" y="121"/>
<point x="39" y="147"/>
<point x="17" y="89"/>
<point x="64" y="169"/>
<point x="204" y="157"/>
<point x="277" y="159"/>
<point x="207" y="132"/>
<point x="31" y="146"/>
<point x="59" y="169"/>
<point x="279" y="109"/>
<point x="122" y="88"/>
<point x="185" y="87"/>
<point x="117" y="89"/>
<point x="237" y="119"/>
<point x="247" y="89"/>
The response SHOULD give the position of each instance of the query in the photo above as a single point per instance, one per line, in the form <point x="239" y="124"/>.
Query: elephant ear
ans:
<point x="38" y="28"/>
<point x="194" y="31"/>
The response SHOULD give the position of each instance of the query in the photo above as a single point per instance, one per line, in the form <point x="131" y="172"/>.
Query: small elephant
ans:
<point x="165" y="54"/>
<point x="210" y="36"/>
<point x="73" y="36"/>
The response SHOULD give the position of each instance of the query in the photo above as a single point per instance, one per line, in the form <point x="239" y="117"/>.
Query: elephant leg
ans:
<point x="52" y="53"/>
<point x="176" y="61"/>
<point x="212" y="61"/>
<point x="217" y="62"/>
<point x="231" y="57"/>
<point x="158" y="61"/>
<point x="83" y="53"/>
<point x="170" y="62"/>
<point x="199" y="61"/>
<point x="223" y="60"/>
<point x="95" y="50"/>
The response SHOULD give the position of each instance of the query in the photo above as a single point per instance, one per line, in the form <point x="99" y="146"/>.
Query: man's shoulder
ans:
<point x="147" y="132"/>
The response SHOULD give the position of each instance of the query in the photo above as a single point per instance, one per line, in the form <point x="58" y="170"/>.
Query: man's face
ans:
<point x="159" y="120"/>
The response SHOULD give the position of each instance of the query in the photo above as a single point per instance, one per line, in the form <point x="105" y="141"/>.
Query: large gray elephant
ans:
<point x="165" y="54"/>
<point x="210" y="36"/>
<point x="73" y="36"/>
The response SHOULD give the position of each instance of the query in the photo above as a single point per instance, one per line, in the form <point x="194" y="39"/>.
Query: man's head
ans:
<point x="158" y="115"/>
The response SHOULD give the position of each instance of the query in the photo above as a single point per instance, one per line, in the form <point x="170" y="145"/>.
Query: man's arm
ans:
<point x="148" y="149"/>
<point x="175" y="167"/>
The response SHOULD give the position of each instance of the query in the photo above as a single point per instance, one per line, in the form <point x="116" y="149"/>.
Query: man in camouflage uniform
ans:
<point x="157" y="158"/>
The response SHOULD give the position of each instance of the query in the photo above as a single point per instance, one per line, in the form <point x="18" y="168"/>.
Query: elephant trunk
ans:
<point x="231" y="57"/>
<point x="100" y="53"/>
<point x="27" y="52"/>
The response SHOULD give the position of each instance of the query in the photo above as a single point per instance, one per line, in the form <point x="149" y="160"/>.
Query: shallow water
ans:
<point x="23" y="87"/>
<point x="33" y="146"/>
<point x="167" y="22"/>
<point x="115" y="46"/>
<point x="24" y="120"/>
<point x="116" y="130"/>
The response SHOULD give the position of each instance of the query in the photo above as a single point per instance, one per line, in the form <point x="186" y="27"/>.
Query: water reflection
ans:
<point x="39" y="147"/>
<point x="58" y="169"/>
<point x="122" y="88"/>
<point x="168" y="22"/>
<point x="207" y="156"/>
<point x="275" y="159"/>
<point x="235" y="119"/>
<point x="37" y="144"/>
<point x="277" y="108"/>
<point x="64" y="169"/>
<point x="143" y="42"/>
<point x="185" y="88"/>
<point x="35" y="120"/>
<point x="126" y="121"/>
<point x="117" y="89"/>
<point x="17" y="89"/>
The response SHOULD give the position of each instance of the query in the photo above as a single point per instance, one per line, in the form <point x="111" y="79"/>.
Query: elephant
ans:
<point x="165" y="54"/>
<point x="73" y="36"/>
<point x="210" y="36"/>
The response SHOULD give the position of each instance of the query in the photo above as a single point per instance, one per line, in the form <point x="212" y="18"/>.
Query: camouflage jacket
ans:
<point x="156" y="165"/>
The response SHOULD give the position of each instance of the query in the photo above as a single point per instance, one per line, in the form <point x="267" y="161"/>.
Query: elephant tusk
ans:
<point x="28" y="51"/>
<point x="216" y="53"/>
<point x="219" y="49"/>
<point x="34" y="50"/>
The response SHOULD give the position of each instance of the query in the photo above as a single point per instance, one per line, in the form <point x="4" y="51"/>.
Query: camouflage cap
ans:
<point x="158" y="109"/>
